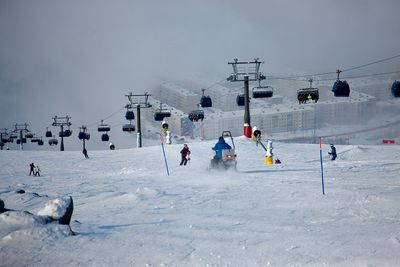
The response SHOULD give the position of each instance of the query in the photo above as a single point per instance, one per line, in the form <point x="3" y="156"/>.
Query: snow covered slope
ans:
<point x="128" y="212"/>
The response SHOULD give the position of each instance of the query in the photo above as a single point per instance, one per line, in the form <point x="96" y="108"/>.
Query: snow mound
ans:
<point x="21" y="224"/>
<point x="148" y="193"/>
<point x="59" y="209"/>
<point x="55" y="208"/>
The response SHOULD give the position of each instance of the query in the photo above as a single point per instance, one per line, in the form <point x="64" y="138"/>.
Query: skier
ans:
<point x="32" y="169"/>
<point x="185" y="152"/>
<point x="278" y="161"/>
<point x="84" y="151"/>
<point x="37" y="171"/>
<point x="333" y="152"/>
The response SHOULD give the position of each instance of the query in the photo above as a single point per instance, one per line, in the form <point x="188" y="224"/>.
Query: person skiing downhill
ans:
<point x="185" y="152"/>
<point x="333" y="152"/>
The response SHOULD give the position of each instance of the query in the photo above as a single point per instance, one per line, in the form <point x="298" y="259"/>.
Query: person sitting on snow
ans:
<point x="333" y="152"/>
<point x="219" y="146"/>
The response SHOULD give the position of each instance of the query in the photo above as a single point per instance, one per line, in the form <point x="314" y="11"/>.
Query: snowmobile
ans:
<point x="228" y="159"/>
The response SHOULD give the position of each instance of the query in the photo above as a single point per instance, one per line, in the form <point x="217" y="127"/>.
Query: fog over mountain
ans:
<point x="81" y="57"/>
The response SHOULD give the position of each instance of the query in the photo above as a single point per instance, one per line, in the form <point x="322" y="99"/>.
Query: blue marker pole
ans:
<point x="165" y="158"/>
<point x="322" y="166"/>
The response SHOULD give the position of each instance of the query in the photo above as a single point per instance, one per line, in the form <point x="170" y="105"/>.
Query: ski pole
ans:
<point x="165" y="158"/>
<point x="322" y="166"/>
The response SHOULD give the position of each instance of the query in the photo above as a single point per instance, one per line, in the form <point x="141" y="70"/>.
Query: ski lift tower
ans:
<point x="246" y="71"/>
<point x="21" y="129"/>
<point x="140" y="101"/>
<point x="62" y="121"/>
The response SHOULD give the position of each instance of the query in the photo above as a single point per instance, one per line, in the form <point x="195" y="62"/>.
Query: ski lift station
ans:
<point x="279" y="114"/>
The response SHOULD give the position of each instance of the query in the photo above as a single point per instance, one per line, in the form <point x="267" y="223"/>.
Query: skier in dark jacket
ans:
<point x="185" y="152"/>
<point x="219" y="146"/>
<point x="333" y="152"/>
<point x="32" y="169"/>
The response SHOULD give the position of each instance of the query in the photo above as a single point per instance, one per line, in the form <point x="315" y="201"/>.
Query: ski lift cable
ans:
<point x="359" y="76"/>
<point x="371" y="63"/>
<point x="299" y="77"/>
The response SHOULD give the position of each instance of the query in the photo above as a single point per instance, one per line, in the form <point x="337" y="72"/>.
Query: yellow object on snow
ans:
<point x="268" y="160"/>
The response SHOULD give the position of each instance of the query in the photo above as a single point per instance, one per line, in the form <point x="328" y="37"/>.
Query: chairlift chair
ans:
<point x="23" y="141"/>
<point x="65" y="133"/>
<point x="13" y="136"/>
<point x="103" y="127"/>
<point x="35" y="140"/>
<point x="53" y="142"/>
<point x="396" y="89"/>
<point x="305" y="94"/>
<point x="262" y="92"/>
<point x="240" y="100"/>
<point x="29" y="135"/>
<point x="196" y="115"/>
<point x="161" y="113"/>
<point x="128" y="128"/>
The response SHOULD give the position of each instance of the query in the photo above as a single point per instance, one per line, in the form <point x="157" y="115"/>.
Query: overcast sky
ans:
<point x="80" y="57"/>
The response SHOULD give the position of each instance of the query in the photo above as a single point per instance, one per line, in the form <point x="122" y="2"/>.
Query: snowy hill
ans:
<point x="128" y="212"/>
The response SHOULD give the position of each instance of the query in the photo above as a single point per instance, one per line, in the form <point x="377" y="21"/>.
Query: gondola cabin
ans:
<point x="240" y="100"/>
<point x="82" y="135"/>
<point x="128" y="128"/>
<point x="341" y="89"/>
<point x="196" y="115"/>
<point x="129" y="115"/>
<point x="48" y="133"/>
<point x="262" y="92"/>
<point x="307" y="94"/>
<point x="160" y="115"/>
<point x="105" y="137"/>
<point x="396" y="89"/>
<point x="206" y="102"/>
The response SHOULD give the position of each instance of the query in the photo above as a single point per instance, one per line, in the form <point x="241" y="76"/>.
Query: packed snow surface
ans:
<point x="128" y="212"/>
